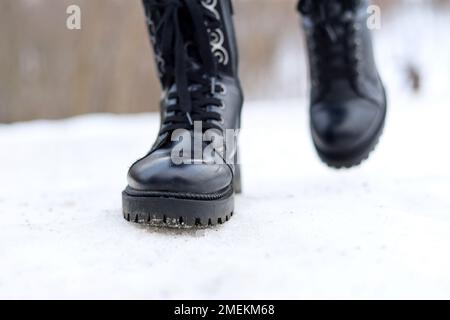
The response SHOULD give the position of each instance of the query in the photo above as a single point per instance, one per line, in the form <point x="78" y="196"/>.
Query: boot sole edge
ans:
<point x="354" y="160"/>
<point x="176" y="212"/>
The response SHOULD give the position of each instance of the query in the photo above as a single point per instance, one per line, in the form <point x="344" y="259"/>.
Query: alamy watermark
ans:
<point x="73" y="21"/>
<point x="212" y="146"/>
<point x="374" y="18"/>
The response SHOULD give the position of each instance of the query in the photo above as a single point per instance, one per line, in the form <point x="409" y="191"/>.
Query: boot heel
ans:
<point x="237" y="182"/>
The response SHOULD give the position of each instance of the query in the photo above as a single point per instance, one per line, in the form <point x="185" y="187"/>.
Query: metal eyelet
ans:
<point x="358" y="57"/>
<point x="171" y="102"/>
<point x="222" y="105"/>
<point x="223" y="88"/>
<point x="358" y="70"/>
<point x="357" y="42"/>
<point x="214" y="83"/>
<point x="222" y="120"/>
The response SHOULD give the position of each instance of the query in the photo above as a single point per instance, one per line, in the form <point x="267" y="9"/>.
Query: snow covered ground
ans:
<point x="301" y="230"/>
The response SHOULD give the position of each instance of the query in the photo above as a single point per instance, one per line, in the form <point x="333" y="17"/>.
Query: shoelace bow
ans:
<point x="335" y="45"/>
<point x="195" y="86"/>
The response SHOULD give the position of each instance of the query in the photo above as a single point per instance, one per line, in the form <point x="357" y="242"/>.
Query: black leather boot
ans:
<point x="348" y="101"/>
<point x="196" y="53"/>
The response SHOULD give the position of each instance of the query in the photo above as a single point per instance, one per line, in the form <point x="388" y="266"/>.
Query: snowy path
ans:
<point x="301" y="230"/>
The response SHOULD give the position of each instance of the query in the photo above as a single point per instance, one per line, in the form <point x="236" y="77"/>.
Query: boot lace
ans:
<point x="333" y="36"/>
<point x="192" y="80"/>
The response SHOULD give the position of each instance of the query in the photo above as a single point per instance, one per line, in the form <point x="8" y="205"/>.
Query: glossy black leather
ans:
<point x="347" y="115"/>
<point x="157" y="171"/>
<point x="341" y="125"/>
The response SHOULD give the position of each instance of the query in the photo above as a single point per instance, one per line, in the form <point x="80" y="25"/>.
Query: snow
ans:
<point x="301" y="230"/>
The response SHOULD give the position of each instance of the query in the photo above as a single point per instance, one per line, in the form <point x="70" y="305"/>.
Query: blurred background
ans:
<point x="48" y="71"/>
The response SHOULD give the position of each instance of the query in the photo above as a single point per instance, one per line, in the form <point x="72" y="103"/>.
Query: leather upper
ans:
<point x="157" y="170"/>
<point x="346" y="113"/>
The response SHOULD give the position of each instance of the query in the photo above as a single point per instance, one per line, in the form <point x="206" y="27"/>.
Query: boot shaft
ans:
<point x="216" y="16"/>
<point x="340" y="49"/>
<point x="196" y="54"/>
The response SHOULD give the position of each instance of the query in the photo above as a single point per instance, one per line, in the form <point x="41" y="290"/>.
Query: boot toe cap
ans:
<point x="157" y="172"/>
<point x="343" y="127"/>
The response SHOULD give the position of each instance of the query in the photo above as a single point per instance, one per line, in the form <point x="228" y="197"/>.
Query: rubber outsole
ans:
<point x="181" y="210"/>
<point x="173" y="212"/>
